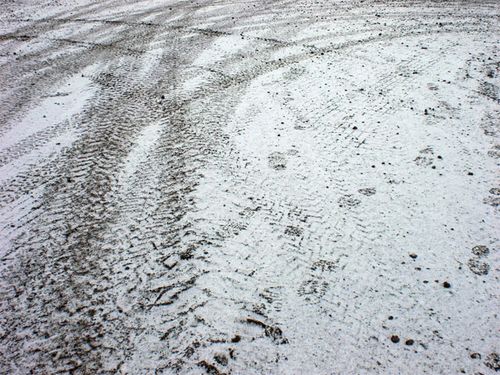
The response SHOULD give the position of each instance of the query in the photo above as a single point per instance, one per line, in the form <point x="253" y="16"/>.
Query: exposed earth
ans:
<point x="249" y="187"/>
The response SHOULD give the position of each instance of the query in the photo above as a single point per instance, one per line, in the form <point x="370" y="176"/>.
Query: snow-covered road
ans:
<point x="253" y="187"/>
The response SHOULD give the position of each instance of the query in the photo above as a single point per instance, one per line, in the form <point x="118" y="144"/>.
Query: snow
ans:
<point x="222" y="47"/>
<point x="65" y="101"/>
<point x="138" y="155"/>
<point x="249" y="188"/>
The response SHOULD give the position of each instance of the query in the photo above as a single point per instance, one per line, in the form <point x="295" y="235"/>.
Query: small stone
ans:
<point x="413" y="256"/>
<point x="470" y="174"/>
<point x="446" y="284"/>
<point x="395" y="339"/>
<point x="236" y="338"/>
<point x="409" y="342"/>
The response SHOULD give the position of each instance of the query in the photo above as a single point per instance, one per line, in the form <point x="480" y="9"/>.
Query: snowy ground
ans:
<point x="253" y="187"/>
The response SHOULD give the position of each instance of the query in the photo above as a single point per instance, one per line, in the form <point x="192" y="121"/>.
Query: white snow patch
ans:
<point x="139" y="153"/>
<point x="225" y="46"/>
<point x="66" y="100"/>
<point x="151" y="60"/>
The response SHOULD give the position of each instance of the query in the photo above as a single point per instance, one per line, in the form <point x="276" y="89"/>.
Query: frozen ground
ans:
<point x="252" y="187"/>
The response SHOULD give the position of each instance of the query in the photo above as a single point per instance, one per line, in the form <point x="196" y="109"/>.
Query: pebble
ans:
<point x="236" y="338"/>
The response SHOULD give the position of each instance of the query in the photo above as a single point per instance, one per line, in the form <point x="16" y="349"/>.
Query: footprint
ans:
<point x="493" y="361"/>
<point x="475" y="264"/>
<point x="489" y="90"/>
<point x="348" y="201"/>
<point x="313" y="289"/>
<point x="367" y="191"/>
<point x="494" y="198"/>
<point x="277" y="161"/>
<point x="478" y="267"/>
<point x="494" y="152"/>
<point x="425" y="159"/>
<point x="293" y="231"/>
<point x="480" y="250"/>
<point x="495" y="191"/>
<point x="325" y="265"/>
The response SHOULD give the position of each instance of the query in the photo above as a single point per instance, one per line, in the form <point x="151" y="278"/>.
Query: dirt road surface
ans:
<point x="249" y="187"/>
